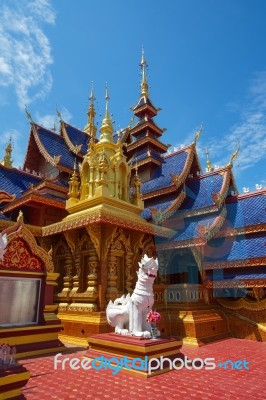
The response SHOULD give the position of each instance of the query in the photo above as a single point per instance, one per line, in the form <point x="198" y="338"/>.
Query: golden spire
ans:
<point x="144" y="85"/>
<point x="209" y="166"/>
<point x="107" y="127"/>
<point x="73" y="183"/>
<point x="90" y="128"/>
<point x="234" y="154"/>
<point x="7" y="161"/>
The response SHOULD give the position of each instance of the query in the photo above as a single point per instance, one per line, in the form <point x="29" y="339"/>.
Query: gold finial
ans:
<point x="90" y="128"/>
<point x="28" y="115"/>
<point x="107" y="127"/>
<point x="209" y="166"/>
<point x="198" y="133"/>
<point x="234" y="154"/>
<point x="7" y="161"/>
<point x="144" y="85"/>
<point x="59" y="114"/>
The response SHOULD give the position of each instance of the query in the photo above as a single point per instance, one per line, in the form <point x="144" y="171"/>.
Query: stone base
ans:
<point x="111" y="345"/>
<point x="78" y="326"/>
<point x="196" y="326"/>
<point x="33" y="340"/>
<point x="12" y="380"/>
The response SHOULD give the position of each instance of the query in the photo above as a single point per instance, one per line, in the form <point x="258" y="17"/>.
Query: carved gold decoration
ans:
<point x="235" y="263"/>
<point x="23" y="252"/>
<point x="5" y="197"/>
<point x="71" y="238"/>
<point x="51" y="160"/>
<point x="94" y="232"/>
<point x="243" y="303"/>
<point x="161" y="216"/>
<point x="74" y="148"/>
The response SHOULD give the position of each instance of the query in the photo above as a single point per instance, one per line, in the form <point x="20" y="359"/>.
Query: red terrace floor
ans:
<point x="46" y="383"/>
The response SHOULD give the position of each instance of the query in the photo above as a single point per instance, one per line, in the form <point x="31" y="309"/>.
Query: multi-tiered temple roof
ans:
<point x="204" y="210"/>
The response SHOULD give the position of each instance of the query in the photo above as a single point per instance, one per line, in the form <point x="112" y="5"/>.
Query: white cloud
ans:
<point x="48" y="120"/>
<point x="25" y="50"/>
<point x="250" y="131"/>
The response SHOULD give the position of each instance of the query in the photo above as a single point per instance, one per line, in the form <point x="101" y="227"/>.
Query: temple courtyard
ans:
<point x="245" y="381"/>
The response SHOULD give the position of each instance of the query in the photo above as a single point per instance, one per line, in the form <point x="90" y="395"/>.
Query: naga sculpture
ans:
<point x="128" y="313"/>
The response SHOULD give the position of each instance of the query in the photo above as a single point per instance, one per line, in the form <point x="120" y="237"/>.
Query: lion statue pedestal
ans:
<point x="128" y="314"/>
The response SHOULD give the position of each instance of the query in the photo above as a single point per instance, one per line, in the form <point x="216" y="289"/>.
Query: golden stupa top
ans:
<point x="107" y="126"/>
<point x="7" y="161"/>
<point x="90" y="128"/>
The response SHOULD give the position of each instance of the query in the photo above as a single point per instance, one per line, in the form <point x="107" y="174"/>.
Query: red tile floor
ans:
<point x="219" y="383"/>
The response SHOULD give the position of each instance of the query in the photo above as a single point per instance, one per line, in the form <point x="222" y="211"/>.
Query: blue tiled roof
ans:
<point x="172" y="164"/>
<point x="3" y="217"/>
<point x="247" y="211"/>
<point x="188" y="229"/>
<point x="199" y="191"/>
<point x="55" y="145"/>
<point x="77" y="137"/>
<point x="15" y="181"/>
<point x="236" y="248"/>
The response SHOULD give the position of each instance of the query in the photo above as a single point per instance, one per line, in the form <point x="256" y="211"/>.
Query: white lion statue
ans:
<point x="128" y="313"/>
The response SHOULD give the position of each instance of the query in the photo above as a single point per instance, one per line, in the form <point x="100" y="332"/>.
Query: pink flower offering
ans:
<point x="153" y="316"/>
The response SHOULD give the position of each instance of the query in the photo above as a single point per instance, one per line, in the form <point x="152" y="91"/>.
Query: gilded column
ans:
<point x="92" y="289"/>
<point x="112" y="292"/>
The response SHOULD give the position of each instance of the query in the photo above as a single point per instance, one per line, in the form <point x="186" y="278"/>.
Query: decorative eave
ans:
<point x="51" y="160"/>
<point x="208" y="232"/>
<point x="5" y="197"/>
<point x="159" y="192"/>
<point x="181" y="244"/>
<point x="178" y="180"/>
<point x="33" y="197"/>
<point x="146" y="124"/>
<point x="160" y="216"/>
<point x="219" y="198"/>
<point x="74" y="148"/>
<point x="101" y="215"/>
<point x="51" y="185"/>
<point x="227" y="283"/>
<point x="242" y="231"/>
<point x="146" y="140"/>
<point x="250" y="262"/>
<point x="147" y="160"/>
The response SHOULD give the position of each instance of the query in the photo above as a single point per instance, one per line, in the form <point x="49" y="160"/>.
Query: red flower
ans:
<point x="153" y="316"/>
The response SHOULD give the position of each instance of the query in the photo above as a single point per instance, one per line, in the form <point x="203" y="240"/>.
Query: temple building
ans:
<point x="95" y="202"/>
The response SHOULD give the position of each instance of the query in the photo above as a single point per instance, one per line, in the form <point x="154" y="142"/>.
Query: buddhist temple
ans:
<point x="94" y="202"/>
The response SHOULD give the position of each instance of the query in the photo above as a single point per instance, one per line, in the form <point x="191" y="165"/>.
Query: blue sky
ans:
<point x="207" y="63"/>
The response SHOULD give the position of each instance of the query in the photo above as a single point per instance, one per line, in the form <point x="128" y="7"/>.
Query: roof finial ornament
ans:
<point x="59" y="114"/>
<point x="234" y="155"/>
<point x="209" y="166"/>
<point x="28" y="115"/>
<point x="90" y="128"/>
<point x="144" y="85"/>
<point x="198" y="133"/>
